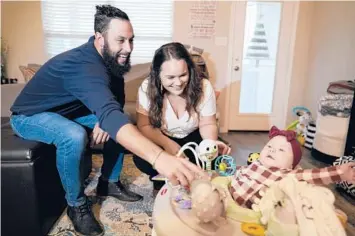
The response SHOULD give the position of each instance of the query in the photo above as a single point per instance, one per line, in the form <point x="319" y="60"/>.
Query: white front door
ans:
<point x="263" y="32"/>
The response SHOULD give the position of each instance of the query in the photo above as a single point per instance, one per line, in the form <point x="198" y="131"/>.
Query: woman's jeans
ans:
<point x="70" y="138"/>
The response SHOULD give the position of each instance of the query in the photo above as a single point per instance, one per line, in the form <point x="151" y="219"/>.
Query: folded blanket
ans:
<point x="336" y="105"/>
<point x="313" y="207"/>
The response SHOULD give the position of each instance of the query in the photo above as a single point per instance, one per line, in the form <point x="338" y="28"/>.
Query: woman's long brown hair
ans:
<point x="193" y="89"/>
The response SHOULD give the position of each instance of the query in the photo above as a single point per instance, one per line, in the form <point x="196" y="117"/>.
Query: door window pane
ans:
<point x="261" y="37"/>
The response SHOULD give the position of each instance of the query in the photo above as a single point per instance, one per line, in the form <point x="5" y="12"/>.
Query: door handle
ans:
<point x="236" y="68"/>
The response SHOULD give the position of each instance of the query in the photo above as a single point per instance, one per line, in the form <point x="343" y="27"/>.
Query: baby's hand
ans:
<point x="348" y="172"/>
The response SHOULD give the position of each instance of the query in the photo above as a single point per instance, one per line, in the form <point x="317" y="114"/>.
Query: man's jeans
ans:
<point x="70" y="139"/>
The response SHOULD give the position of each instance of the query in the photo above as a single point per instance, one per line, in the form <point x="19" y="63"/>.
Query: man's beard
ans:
<point x="111" y="62"/>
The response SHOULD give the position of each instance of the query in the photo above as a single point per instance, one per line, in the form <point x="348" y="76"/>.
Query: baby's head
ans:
<point x="282" y="151"/>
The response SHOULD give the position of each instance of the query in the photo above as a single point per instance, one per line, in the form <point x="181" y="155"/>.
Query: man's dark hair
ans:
<point x="103" y="16"/>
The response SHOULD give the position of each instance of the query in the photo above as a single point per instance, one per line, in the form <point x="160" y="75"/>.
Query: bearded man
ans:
<point x="84" y="88"/>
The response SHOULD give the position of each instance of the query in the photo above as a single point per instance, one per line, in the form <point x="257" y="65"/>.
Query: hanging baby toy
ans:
<point x="205" y="152"/>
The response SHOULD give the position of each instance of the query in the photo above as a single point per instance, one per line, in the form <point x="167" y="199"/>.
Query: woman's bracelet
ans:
<point x="156" y="158"/>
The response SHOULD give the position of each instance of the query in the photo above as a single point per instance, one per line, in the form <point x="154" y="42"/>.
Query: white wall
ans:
<point x="21" y="27"/>
<point x="331" y="49"/>
<point x="300" y="64"/>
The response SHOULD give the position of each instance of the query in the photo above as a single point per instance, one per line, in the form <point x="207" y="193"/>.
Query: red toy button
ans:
<point x="163" y="191"/>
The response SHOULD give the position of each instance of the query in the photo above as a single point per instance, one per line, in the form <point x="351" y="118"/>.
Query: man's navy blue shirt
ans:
<point x="74" y="84"/>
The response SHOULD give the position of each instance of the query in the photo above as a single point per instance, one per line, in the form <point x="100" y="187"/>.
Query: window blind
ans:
<point x="68" y="24"/>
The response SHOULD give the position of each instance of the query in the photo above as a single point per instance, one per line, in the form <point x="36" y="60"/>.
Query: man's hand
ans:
<point x="348" y="172"/>
<point x="98" y="136"/>
<point x="223" y="149"/>
<point x="179" y="171"/>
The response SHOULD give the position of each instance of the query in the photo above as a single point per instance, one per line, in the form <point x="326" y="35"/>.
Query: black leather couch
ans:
<point x="32" y="194"/>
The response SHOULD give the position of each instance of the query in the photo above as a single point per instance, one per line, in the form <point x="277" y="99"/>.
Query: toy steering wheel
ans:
<point x="225" y="165"/>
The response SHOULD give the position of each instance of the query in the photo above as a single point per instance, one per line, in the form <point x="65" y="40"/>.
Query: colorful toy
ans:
<point x="207" y="201"/>
<point x="342" y="217"/>
<point x="300" y="110"/>
<point x="293" y="125"/>
<point x="170" y="220"/>
<point x="300" y="125"/>
<point x="225" y="165"/>
<point x="159" y="177"/>
<point x="253" y="157"/>
<point x="206" y="152"/>
<point x="181" y="198"/>
<point x="253" y="229"/>
<point x="304" y="121"/>
<point x="301" y="139"/>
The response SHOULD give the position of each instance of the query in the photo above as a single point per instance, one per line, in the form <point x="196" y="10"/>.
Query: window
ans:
<point x="68" y="24"/>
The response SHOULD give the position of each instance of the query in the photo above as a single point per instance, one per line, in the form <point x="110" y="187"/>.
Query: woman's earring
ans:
<point x="161" y="88"/>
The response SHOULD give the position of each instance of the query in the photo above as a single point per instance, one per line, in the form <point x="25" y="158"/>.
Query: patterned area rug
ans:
<point x="118" y="218"/>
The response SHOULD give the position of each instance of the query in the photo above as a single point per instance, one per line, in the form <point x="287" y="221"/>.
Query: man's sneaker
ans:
<point x="117" y="190"/>
<point x="84" y="220"/>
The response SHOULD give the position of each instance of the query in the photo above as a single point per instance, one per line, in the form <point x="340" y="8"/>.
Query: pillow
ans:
<point x="348" y="187"/>
<point x="29" y="71"/>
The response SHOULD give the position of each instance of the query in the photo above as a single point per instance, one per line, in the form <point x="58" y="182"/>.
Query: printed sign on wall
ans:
<point x="203" y="19"/>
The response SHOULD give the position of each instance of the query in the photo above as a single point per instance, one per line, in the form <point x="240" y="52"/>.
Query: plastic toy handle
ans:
<point x="293" y="125"/>
<point x="299" y="108"/>
<point x="193" y="151"/>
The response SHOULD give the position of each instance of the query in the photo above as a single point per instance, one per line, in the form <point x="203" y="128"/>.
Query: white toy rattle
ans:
<point x="205" y="152"/>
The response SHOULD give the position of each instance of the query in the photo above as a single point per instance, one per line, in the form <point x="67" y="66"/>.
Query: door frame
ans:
<point x="280" y="118"/>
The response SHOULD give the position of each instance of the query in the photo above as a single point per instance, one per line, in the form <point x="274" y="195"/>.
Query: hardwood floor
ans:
<point x="244" y="143"/>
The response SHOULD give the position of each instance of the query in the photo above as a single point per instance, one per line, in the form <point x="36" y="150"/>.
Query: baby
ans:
<point x="278" y="159"/>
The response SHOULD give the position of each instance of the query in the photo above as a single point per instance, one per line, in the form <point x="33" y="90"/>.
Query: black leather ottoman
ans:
<point x="32" y="196"/>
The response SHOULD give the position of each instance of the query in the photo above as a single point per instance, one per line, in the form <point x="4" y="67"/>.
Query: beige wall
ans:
<point x="331" y="49"/>
<point x="21" y="27"/>
<point x="299" y="72"/>
<point x="324" y="51"/>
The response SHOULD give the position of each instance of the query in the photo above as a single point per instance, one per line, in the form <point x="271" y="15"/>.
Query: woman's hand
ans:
<point x="223" y="149"/>
<point x="179" y="171"/>
<point x="348" y="172"/>
<point x="171" y="147"/>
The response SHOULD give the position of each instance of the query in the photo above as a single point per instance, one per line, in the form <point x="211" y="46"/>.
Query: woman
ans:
<point x="175" y="106"/>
